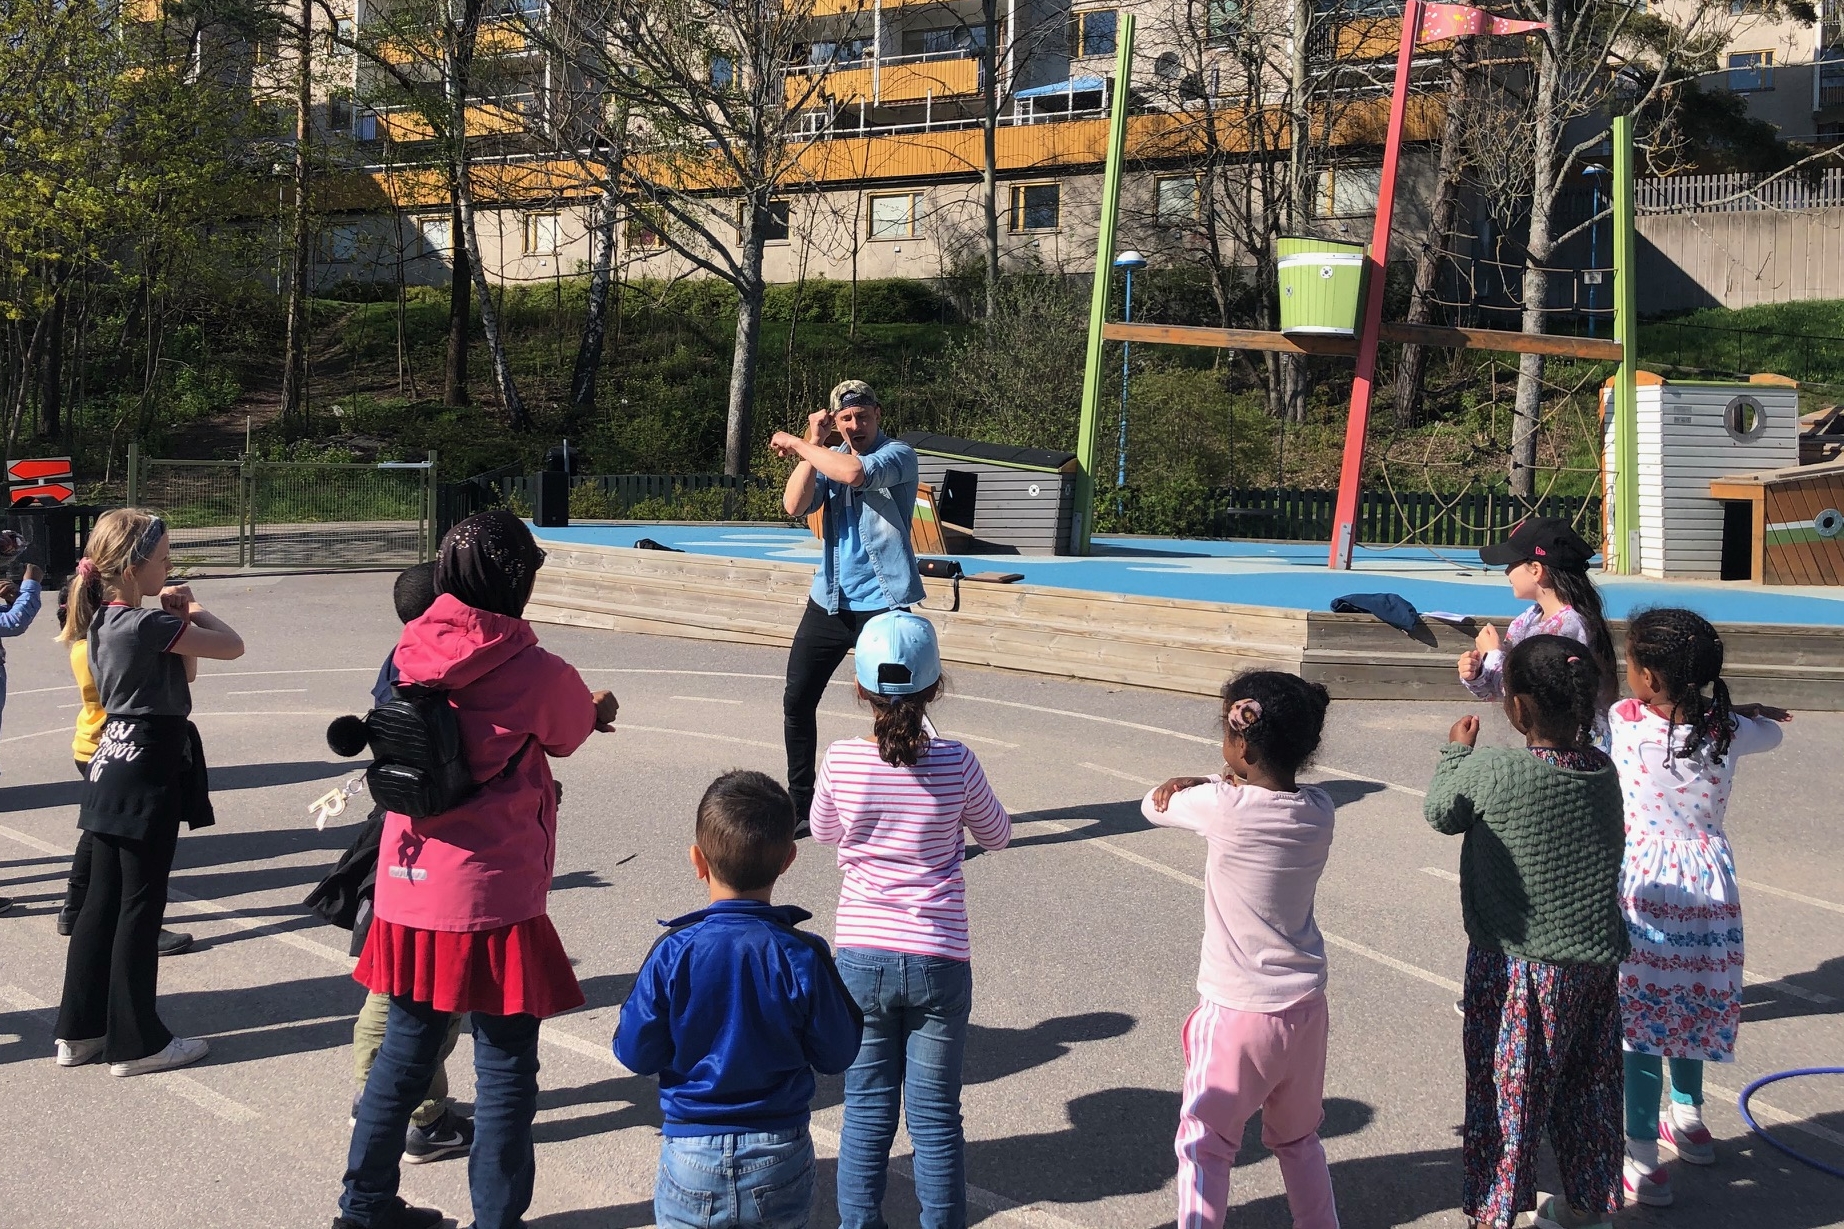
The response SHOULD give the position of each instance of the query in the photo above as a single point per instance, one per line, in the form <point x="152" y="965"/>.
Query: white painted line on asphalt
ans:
<point x="287" y="937"/>
<point x="39" y="691"/>
<point x="175" y="1082"/>
<point x="272" y="691"/>
<point x="1779" y="1117"/>
<point x="1115" y="772"/>
<point x="716" y="738"/>
<point x="1440" y="873"/>
<point x="19" y="738"/>
<point x="703" y="674"/>
<point x="1768" y="888"/>
<point x="1783" y="986"/>
<point x="1401" y="966"/>
<point x="32" y="842"/>
<point x="706" y="700"/>
<point x="250" y="674"/>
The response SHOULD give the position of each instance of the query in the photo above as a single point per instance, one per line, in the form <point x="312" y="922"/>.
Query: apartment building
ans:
<point x="887" y="99"/>
<point x="1791" y="72"/>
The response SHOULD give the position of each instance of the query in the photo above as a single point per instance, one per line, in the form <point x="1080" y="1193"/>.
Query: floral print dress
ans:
<point x="1681" y="989"/>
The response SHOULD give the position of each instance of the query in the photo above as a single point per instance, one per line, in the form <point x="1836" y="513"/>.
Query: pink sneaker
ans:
<point x="1696" y="1146"/>
<point x="1652" y="1189"/>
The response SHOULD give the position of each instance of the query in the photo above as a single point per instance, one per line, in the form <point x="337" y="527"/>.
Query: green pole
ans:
<point x="1626" y="331"/>
<point x="1083" y="523"/>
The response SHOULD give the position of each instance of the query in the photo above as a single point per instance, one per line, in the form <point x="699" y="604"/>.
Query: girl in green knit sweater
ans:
<point x="1539" y="878"/>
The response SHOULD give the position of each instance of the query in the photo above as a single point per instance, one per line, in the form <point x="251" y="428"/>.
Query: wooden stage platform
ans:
<point x="1167" y="643"/>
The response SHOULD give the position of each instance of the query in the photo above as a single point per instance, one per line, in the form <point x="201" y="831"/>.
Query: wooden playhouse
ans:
<point x="1692" y="433"/>
<point x="1784" y="525"/>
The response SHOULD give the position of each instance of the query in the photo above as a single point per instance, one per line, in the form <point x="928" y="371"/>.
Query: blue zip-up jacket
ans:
<point x="734" y="1009"/>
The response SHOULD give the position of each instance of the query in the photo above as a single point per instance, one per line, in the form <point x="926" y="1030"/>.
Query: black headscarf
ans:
<point x="489" y="561"/>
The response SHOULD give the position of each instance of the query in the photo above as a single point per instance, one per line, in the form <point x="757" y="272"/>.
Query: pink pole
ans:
<point x="1351" y="476"/>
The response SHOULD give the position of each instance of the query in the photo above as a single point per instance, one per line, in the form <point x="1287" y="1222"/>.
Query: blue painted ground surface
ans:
<point x="1292" y="575"/>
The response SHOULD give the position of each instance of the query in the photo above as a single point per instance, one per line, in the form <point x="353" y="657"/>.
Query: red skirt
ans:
<point x="519" y="969"/>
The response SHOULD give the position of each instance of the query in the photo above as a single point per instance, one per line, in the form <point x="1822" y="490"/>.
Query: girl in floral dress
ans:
<point x="1681" y="988"/>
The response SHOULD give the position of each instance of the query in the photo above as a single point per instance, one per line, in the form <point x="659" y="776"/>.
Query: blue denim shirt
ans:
<point x="881" y="509"/>
<point x="15" y="619"/>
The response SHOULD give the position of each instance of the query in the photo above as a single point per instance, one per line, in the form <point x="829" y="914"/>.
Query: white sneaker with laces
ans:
<point x="77" y="1053"/>
<point x="179" y="1052"/>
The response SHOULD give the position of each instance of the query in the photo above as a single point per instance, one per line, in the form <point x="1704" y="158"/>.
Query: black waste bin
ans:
<point x="50" y="531"/>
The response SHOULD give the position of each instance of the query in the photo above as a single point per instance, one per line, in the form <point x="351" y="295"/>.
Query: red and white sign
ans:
<point x="39" y="478"/>
<point x="1441" y="21"/>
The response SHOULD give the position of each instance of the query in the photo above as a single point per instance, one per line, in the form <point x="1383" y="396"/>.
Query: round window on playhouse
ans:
<point x="1744" y="418"/>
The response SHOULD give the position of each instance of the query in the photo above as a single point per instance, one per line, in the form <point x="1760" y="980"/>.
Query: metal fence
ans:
<point x="1809" y="358"/>
<point x="1391" y="518"/>
<point x="281" y="514"/>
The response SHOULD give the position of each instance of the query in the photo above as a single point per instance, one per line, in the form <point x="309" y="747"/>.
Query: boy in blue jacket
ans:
<point x="734" y="1009"/>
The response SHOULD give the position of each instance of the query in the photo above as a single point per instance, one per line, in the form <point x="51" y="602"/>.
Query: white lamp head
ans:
<point x="1129" y="259"/>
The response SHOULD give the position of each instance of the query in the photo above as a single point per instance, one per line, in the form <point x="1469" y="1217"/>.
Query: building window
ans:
<point x="1095" y="32"/>
<point x="723" y="72"/>
<point x="339" y="244"/>
<point x="541" y="234"/>
<point x="1347" y="191"/>
<point x="1222" y="20"/>
<point x="435" y="235"/>
<point x="843" y="51"/>
<point x="339" y="114"/>
<point x="945" y="40"/>
<point x="1036" y="206"/>
<point x="774" y="222"/>
<point x="1751" y="71"/>
<point x="344" y="30"/>
<point x="897" y="216"/>
<point x="644" y="234"/>
<point x="1177" y="200"/>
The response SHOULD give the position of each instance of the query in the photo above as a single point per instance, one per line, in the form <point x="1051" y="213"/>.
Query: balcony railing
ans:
<point x="887" y="80"/>
<point x="485" y="117"/>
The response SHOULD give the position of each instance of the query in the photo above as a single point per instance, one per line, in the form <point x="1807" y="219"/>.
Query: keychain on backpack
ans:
<point x="332" y="804"/>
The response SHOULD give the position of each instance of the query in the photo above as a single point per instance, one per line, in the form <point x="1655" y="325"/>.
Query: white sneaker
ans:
<point x="179" y="1052"/>
<point x="77" y="1053"/>
<point x="1651" y="1187"/>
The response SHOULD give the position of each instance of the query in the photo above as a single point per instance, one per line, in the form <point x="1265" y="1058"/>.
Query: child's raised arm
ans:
<point x="983" y="815"/>
<point x="1185" y="802"/>
<point x="1449" y="808"/>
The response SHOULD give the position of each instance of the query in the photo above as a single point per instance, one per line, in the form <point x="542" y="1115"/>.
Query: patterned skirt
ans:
<point x="1681" y="989"/>
<point x="1542" y="1047"/>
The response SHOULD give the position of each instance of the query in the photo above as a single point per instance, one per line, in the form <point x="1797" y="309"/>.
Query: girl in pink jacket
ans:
<point x="1257" y="1039"/>
<point x="460" y="922"/>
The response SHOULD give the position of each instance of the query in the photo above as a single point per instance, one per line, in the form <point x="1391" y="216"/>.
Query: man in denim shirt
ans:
<point x="866" y="485"/>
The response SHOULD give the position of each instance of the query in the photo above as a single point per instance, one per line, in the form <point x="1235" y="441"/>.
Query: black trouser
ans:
<point x="820" y="644"/>
<point x="112" y="969"/>
<point x="79" y="885"/>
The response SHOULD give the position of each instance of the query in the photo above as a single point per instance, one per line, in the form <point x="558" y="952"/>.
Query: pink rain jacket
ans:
<point x="487" y="863"/>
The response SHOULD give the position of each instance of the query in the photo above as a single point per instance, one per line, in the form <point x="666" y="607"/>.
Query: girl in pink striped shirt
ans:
<point x="895" y="804"/>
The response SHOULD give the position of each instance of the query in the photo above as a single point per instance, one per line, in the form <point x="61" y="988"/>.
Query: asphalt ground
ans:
<point x="1085" y="940"/>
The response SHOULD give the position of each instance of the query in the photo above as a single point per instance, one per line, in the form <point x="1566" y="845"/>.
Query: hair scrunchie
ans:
<point x="86" y="570"/>
<point x="1243" y="714"/>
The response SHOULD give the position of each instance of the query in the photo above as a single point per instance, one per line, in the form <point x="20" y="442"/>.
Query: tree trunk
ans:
<point x="1527" y="409"/>
<point x="989" y="149"/>
<point x="595" y="317"/>
<point x="518" y="418"/>
<point x="460" y="310"/>
<point x="51" y="387"/>
<point x="294" y="352"/>
<point x="739" y="427"/>
<point x="1411" y="372"/>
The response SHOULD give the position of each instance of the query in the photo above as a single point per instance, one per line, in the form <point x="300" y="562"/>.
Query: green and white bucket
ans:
<point x="1322" y="284"/>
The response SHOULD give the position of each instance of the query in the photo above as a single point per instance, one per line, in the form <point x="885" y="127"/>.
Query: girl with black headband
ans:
<point x="146" y="778"/>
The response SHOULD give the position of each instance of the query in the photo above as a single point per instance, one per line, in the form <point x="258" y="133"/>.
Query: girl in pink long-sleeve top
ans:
<point x="896" y="805"/>
<point x="1257" y="1039"/>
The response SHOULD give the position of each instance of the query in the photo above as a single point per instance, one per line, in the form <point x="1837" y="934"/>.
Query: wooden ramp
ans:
<point x="1167" y="643"/>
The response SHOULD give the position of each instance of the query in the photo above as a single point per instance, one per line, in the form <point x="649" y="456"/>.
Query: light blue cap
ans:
<point x="898" y="655"/>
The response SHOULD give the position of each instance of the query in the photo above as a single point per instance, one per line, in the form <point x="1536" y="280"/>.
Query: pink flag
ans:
<point x="1443" y="21"/>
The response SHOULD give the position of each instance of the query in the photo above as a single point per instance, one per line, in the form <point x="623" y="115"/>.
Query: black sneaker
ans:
<point x="399" y="1215"/>
<point x="802" y="828"/>
<point x="67" y="921"/>
<point x="172" y="943"/>
<point x="449" y="1135"/>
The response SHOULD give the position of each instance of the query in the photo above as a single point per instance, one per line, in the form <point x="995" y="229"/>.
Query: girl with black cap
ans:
<point x="459" y="922"/>
<point x="1546" y="562"/>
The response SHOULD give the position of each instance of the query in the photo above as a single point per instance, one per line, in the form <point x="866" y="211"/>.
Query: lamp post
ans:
<point x="1594" y="172"/>
<point x="1128" y="260"/>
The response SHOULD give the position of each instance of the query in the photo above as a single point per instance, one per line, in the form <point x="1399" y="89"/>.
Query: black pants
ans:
<point x="79" y="885"/>
<point x="820" y="644"/>
<point x="112" y="969"/>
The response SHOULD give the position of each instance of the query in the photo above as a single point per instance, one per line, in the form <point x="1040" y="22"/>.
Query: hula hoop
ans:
<point x="1742" y="1104"/>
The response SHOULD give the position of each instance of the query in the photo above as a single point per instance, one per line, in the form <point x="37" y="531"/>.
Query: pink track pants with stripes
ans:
<point x="1238" y="1062"/>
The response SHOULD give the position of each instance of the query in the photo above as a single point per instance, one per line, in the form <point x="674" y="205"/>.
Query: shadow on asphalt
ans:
<point x="1761" y="1003"/>
<point x="46" y="795"/>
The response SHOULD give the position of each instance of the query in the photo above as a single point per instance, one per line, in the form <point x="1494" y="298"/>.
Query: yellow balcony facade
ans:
<point x="892" y="83"/>
<point x="483" y="119"/>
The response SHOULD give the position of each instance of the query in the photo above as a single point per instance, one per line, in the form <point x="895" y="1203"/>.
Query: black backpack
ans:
<point x="420" y="767"/>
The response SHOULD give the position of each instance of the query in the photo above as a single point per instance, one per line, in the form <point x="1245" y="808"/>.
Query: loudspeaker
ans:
<point x="553" y="510"/>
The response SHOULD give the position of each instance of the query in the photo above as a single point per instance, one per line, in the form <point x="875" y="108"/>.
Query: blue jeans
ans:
<point x="501" y="1166"/>
<point x="760" y="1181"/>
<point x="915" y="1033"/>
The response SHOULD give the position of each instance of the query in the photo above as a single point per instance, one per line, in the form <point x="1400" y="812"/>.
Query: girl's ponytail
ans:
<point x="108" y="554"/>
<point x="897" y="724"/>
<point x="1685" y="652"/>
<point x="1576" y="588"/>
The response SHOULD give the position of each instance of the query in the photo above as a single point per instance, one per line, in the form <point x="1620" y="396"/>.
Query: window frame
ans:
<point x="1081" y="18"/>
<point x="340" y="241"/>
<point x="424" y="222"/>
<point x="530" y="240"/>
<point x="1761" y="70"/>
<point x="1018" y="208"/>
<point x="914" y="223"/>
<point x="1160" y="216"/>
